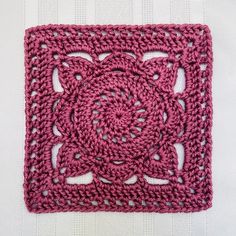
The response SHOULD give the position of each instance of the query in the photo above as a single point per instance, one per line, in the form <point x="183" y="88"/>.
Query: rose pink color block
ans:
<point x="109" y="109"/>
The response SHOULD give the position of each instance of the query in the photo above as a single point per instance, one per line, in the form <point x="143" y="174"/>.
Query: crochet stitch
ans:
<point x="103" y="119"/>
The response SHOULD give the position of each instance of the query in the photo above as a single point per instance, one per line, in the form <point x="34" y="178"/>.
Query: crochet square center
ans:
<point x="118" y="118"/>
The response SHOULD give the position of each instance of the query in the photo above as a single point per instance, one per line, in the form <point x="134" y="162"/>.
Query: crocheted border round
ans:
<point x="114" y="114"/>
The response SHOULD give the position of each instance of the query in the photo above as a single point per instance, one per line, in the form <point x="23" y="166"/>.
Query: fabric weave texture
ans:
<point x="102" y="108"/>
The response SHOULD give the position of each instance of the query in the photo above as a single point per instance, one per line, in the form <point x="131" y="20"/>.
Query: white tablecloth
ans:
<point x="15" y="16"/>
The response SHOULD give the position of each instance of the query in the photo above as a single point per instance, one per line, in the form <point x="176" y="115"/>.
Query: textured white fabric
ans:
<point x="15" y="16"/>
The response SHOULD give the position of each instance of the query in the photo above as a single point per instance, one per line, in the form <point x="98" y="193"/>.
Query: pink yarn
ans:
<point x="118" y="117"/>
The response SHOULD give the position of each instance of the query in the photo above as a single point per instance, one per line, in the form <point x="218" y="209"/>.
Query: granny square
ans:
<point x="118" y="118"/>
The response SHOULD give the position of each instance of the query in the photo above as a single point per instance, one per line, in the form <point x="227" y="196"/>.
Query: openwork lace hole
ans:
<point x="123" y="138"/>
<point x="203" y="67"/>
<point x="190" y="44"/>
<point x="83" y="179"/>
<point x="106" y="202"/>
<point x="180" y="180"/>
<point x="180" y="154"/>
<point x="154" y="54"/>
<point x="104" y="180"/>
<point x="33" y="142"/>
<point x="33" y="93"/>
<point x="64" y="63"/>
<point x="32" y="169"/>
<point x="55" y="180"/>
<point x="102" y="56"/>
<point x="34" y="117"/>
<point x="77" y="156"/>
<point x="33" y="81"/>
<point x="33" y="58"/>
<point x="54" y="152"/>
<point x="156" y="157"/>
<point x="55" y="56"/>
<point x="131" y="180"/>
<point x="155" y="181"/>
<point x="43" y="45"/>
<point x="132" y="135"/>
<point x="119" y="203"/>
<point x="34" y="130"/>
<point x="33" y="155"/>
<point x="67" y="33"/>
<point x="201" y="167"/>
<point x="170" y="64"/>
<point x="63" y="170"/>
<point x="131" y="203"/>
<point x="165" y="117"/>
<point x="34" y="104"/>
<point x="94" y="203"/>
<point x="155" y="76"/>
<point x="45" y="193"/>
<point x="166" y="33"/>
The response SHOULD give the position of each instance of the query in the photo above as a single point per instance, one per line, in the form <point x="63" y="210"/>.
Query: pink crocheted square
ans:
<point x="107" y="119"/>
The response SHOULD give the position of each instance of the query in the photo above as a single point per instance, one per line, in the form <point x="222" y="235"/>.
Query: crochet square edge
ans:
<point x="30" y="184"/>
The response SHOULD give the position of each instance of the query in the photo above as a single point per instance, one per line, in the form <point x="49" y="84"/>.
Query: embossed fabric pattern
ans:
<point x="108" y="126"/>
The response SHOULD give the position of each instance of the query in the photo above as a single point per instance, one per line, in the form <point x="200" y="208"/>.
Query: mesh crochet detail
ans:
<point x="100" y="109"/>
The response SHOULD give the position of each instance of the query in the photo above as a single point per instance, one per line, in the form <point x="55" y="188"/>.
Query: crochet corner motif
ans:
<point x="105" y="118"/>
